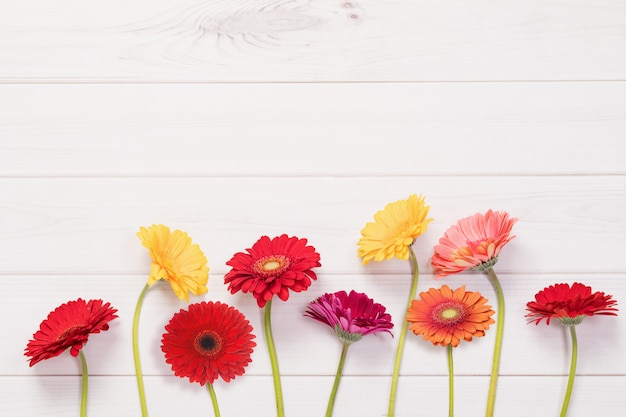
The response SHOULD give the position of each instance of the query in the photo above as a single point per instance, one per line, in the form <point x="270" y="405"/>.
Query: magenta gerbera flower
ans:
<point x="351" y="315"/>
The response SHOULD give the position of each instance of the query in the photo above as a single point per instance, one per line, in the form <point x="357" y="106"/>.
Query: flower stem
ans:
<point x="450" y="382"/>
<point x="402" y="339"/>
<point x="142" y="393"/>
<point x="333" y="393"/>
<point x="495" y="365"/>
<point x="267" y="324"/>
<point x="572" y="372"/>
<point x="85" y="384"/>
<point x="216" y="409"/>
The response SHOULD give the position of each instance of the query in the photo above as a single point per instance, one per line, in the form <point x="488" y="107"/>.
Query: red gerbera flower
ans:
<point x="208" y="340"/>
<point x="273" y="267"/>
<point x="570" y="305"/>
<point x="69" y="326"/>
<point x="351" y="316"/>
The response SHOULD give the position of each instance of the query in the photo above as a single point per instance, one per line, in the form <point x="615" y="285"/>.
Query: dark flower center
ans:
<point x="449" y="313"/>
<point x="208" y="343"/>
<point x="271" y="266"/>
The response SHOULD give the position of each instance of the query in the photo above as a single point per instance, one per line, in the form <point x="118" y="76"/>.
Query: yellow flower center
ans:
<point x="271" y="265"/>
<point x="449" y="313"/>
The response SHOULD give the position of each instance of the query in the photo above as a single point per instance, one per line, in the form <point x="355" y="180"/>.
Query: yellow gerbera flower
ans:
<point x="394" y="229"/>
<point x="176" y="260"/>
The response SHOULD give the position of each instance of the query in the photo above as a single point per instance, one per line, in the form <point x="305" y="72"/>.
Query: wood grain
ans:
<point x="169" y="396"/>
<point x="79" y="225"/>
<point x="380" y="130"/>
<point x="311" y="40"/>
<point x="233" y="119"/>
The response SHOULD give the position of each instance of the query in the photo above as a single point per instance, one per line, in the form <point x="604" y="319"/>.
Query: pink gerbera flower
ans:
<point x="474" y="242"/>
<point x="352" y="316"/>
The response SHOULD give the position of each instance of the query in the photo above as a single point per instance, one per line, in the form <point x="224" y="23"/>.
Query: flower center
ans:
<point x="67" y="332"/>
<point x="271" y="266"/>
<point x="208" y="343"/>
<point x="449" y="313"/>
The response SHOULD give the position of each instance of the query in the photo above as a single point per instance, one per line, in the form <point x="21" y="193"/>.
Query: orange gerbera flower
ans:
<point x="444" y="317"/>
<point x="474" y="242"/>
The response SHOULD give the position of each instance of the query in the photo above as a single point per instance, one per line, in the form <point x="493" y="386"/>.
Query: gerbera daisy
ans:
<point x="176" y="260"/>
<point x="69" y="327"/>
<point x="474" y="242"/>
<point x="569" y="304"/>
<point x="445" y="317"/>
<point x="207" y="341"/>
<point x="273" y="267"/>
<point x="394" y="230"/>
<point x="351" y="316"/>
<point x="392" y="233"/>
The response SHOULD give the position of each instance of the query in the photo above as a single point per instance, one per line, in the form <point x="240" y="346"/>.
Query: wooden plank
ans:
<point x="306" y="40"/>
<point x="78" y="226"/>
<point x="313" y="129"/>
<point x="307" y="396"/>
<point x="306" y="347"/>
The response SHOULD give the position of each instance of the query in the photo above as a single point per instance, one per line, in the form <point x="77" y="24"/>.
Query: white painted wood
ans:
<point x="307" y="396"/>
<point x="308" y="348"/>
<point x="313" y="129"/>
<point x="82" y="225"/>
<point x="233" y="119"/>
<point x="309" y="40"/>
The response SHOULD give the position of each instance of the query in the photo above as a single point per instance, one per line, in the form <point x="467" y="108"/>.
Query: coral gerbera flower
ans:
<point x="474" y="242"/>
<point x="569" y="304"/>
<point x="444" y="317"/>
<point x="69" y="327"/>
<point x="273" y="267"/>
<point x="351" y="316"/>
<point x="176" y="260"/>
<point x="393" y="230"/>
<point x="207" y="341"/>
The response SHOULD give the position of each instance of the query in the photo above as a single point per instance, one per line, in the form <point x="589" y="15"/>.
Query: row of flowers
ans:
<point x="211" y="340"/>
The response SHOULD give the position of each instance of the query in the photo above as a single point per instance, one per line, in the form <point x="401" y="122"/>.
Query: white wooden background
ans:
<point x="233" y="119"/>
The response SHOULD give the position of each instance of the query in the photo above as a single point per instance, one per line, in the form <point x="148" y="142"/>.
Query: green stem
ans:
<point x="572" y="372"/>
<point x="403" y="331"/>
<point x="497" y="351"/>
<point x="85" y="384"/>
<point x="333" y="393"/>
<point x="267" y="324"/>
<point x="450" y="382"/>
<point x="216" y="409"/>
<point x="140" y="387"/>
